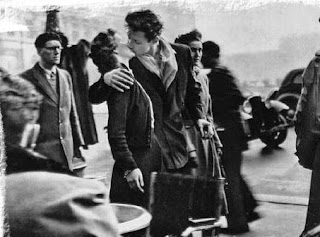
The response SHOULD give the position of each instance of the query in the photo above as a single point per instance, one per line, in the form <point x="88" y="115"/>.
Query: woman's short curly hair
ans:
<point x="145" y="21"/>
<point x="193" y="35"/>
<point x="103" y="49"/>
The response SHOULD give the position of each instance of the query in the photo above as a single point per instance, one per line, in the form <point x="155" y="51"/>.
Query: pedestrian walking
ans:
<point x="226" y="99"/>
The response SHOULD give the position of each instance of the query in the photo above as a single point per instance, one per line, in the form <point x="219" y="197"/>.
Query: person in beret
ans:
<point x="44" y="204"/>
<point x="60" y="131"/>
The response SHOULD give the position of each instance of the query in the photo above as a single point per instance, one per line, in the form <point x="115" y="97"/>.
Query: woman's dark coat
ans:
<point x="131" y="138"/>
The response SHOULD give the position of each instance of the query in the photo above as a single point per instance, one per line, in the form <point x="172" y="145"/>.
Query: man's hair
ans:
<point x="145" y="21"/>
<point x="102" y="51"/>
<point x="63" y="39"/>
<point x="42" y="39"/>
<point x="211" y="49"/>
<point x="193" y="35"/>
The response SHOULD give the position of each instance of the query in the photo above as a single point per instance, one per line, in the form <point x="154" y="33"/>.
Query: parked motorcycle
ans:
<point x="267" y="120"/>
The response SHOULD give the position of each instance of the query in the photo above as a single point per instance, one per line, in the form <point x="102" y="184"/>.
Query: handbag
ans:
<point x="179" y="200"/>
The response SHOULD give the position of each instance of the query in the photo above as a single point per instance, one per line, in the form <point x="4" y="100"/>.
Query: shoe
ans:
<point x="234" y="231"/>
<point x="253" y="216"/>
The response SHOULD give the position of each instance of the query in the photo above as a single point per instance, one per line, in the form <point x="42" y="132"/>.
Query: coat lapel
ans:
<point x="43" y="84"/>
<point x="62" y="84"/>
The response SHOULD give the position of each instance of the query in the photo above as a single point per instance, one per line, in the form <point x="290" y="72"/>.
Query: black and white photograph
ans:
<point x="153" y="118"/>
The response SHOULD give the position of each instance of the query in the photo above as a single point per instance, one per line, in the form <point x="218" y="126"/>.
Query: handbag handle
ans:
<point x="220" y="171"/>
<point x="216" y="158"/>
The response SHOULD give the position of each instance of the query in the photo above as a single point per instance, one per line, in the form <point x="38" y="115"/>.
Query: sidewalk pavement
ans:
<point x="281" y="216"/>
<point x="278" y="220"/>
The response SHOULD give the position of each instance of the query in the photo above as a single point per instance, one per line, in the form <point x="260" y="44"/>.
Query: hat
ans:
<point x="44" y="204"/>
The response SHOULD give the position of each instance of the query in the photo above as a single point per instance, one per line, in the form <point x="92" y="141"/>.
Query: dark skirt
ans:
<point x="205" y="157"/>
<point x="148" y="161"/>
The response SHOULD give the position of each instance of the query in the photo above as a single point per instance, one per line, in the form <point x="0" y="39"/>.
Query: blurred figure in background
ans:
<point x="20" y="104"/>
<point x="130" y="127"/>
<point x="60" y="131"/>
<point x="203" y="148"/>
<point x="47" y="204"/>
<point x="226" y="99"/>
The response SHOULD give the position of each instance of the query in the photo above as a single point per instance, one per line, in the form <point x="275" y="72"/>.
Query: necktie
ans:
<point x="53" y="81"/>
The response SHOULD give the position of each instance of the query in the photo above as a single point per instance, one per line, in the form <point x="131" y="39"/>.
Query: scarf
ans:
<point x="167" y="66"/>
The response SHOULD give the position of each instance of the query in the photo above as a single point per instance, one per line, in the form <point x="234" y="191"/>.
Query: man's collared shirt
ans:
<point x="51" y="76"/>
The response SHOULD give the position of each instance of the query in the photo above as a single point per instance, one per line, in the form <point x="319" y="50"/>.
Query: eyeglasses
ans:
<point x="54" y="48"/>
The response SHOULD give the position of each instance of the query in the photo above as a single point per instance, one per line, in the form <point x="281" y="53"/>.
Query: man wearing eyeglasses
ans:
<point x="60" y="129"/>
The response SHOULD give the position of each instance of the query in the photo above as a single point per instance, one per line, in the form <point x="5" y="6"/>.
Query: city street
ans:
<point x="279" y="183"/>
<point x="282" y="187"/>
<point x="258" y="47"/>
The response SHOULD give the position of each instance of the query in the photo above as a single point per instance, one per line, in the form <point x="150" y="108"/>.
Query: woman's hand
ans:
<point x="206" y="129"/>
<point x="135" y="180"/>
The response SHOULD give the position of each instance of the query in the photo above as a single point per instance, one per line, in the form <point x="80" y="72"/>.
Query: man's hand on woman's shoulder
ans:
<point x="119" y="79"/>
